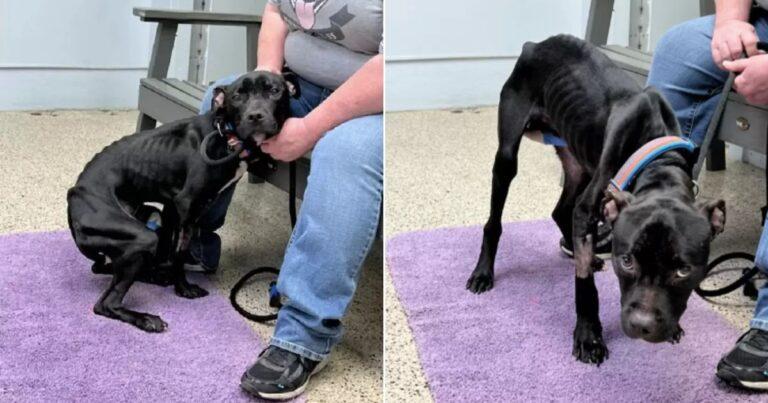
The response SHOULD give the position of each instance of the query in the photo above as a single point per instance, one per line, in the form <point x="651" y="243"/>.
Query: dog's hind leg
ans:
<point x="138" y="254"/>
<point x="514" y="109"/>
<point x="576" y="180"/>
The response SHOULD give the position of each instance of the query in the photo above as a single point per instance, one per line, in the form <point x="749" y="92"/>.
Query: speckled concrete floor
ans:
<point x="42" y="155"/>
<point x="438" y="174"/>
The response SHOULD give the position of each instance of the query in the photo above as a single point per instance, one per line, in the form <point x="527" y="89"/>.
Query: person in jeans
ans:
<point x="690" y="66"/>
<point x="334" y="47"/>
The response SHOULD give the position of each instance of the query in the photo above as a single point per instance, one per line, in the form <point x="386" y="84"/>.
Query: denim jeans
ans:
<point x="684" y="72"/>
<point x="334" y="232"/>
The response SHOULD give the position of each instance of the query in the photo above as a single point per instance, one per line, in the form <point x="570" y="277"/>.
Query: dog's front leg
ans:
<point x="181" y="286"/>
<point x="588" y="344"/>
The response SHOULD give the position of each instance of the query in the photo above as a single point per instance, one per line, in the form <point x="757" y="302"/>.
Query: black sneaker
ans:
<point x="747" y="363"/>
<point x="279" y="374"/>
<point x="603" y="250"/>
<point x="207" y="244"/>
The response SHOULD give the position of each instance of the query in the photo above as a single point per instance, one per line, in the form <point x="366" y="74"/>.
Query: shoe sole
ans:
<point x="197" y="268"/>
<point x="285" y="395"/>
<point x="731" y="379"/>
<point x="569" y="253"/>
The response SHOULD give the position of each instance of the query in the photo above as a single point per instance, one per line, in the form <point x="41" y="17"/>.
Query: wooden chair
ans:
<point x="164" y="99"/>
<point x="741" y="123"/>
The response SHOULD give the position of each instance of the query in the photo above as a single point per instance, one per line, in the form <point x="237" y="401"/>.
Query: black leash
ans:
<point x="274" y="296"/>
<point x="747" y="272"/>
<point x="204" y="148"/>
<point x="746" y="276"/>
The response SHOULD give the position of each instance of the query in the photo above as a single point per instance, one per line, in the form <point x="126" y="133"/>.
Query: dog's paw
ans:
<point x="597" y="264"/>
<point x="588" y="344"/>
<point x="150" y="323"/>
<point x="190" y="291"/>
<point x="480" y="282"/>
<point x="677" y="335"/>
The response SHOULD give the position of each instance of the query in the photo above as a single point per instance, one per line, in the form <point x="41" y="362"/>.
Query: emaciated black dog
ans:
<point x="661" y="235"/>
<point x="165" y="166"/>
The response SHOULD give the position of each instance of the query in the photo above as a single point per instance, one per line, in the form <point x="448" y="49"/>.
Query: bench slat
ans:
<point x="186" y="87"/>
<point x="195" y="17"/>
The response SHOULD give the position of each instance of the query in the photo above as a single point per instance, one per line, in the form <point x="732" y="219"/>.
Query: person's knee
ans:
<point x="691" y="37"/>
<point x="356" y="144"/>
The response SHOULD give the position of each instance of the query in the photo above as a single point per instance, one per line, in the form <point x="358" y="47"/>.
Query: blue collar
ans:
<point x="643" y="156"/>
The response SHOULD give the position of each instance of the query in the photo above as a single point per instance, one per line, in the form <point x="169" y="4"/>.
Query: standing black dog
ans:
<point x="661" y="235"/>
<point x="165" y="165"/>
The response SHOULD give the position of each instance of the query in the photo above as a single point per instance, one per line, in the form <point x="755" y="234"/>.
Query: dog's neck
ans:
<point x="668" y="175"/>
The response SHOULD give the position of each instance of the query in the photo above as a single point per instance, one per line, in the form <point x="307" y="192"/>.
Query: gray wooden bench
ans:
<point x="164" y="99"/>
<point x="742" y="123"/>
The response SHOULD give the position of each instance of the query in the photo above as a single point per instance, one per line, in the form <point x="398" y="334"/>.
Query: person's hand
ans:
<point x="730" y="38"/>
<point x="752" y="78"/>
<point x="293" y="141"/>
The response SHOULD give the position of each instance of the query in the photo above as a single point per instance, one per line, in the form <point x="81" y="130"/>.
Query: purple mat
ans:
<point x="53" y="348"/>
<point x="514" y="342"/>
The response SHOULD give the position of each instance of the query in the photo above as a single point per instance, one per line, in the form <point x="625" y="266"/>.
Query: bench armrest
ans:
<point x="194" y="17"/>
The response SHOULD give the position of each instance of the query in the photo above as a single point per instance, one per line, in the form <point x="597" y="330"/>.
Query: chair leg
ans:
<point x="145" y="122"/>
<point x="716" y="156"/>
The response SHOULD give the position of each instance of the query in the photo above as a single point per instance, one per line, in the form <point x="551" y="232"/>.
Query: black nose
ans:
<point x="645" y="323"/>
<point x="255" y="117"/>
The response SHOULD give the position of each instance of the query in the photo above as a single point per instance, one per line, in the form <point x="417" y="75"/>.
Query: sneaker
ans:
<point x="208" y="244"/>
<point x="604" y="248"/>
<point x="747" y="363"/>
<point x="279" y="374"/>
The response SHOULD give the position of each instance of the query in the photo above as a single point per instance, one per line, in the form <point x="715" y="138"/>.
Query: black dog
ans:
<point x="165" y="166"/>
<point x="661" y="236"/>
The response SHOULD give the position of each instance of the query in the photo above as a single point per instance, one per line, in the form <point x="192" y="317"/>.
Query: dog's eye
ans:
<point x="274" y="90"/>
<point x="236" y="97"/>
<point x="683" y="272"/>
<point x="627" y="263"/>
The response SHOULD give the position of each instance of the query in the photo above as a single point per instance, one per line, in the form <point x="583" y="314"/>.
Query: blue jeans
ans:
<point x="334" y="232"/>
<point x="684" y="72"/>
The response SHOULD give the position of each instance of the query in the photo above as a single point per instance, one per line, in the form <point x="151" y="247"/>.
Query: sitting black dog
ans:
<point x="661" y="235"/>
<point x="166" y="166"/>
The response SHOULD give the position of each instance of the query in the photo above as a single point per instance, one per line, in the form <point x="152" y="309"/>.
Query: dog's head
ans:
<point x="660" y="253"/>
<point x="257" y="104"/>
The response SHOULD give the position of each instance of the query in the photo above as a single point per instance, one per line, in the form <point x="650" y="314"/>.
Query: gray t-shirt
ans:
<point x="330" y="39"/>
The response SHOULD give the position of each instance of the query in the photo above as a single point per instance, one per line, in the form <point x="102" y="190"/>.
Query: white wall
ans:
<point x="92" y="53"/>
<point x="441" y="56"/>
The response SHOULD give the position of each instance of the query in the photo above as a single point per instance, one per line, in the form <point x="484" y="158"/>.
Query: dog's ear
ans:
<point x="219" y="99"/>
<point x="614" y="202"/>
<point x="671" y="125"/>
<point x="292" y="83"/>
<point x="714" y="211"/>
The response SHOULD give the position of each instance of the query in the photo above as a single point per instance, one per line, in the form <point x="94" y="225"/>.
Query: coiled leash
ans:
<point x="274" y="295"/>
<point x="747" y="273"/>
<point x="236" y="150"/>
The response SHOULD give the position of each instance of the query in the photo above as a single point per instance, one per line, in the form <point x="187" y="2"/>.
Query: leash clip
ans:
<point x="218" y="128"/>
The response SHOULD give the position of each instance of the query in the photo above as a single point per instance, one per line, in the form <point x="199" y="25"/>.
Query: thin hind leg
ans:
<point x="111" y="302"/>
<point x="514" y="109"/>
<point x="576" y="180"/>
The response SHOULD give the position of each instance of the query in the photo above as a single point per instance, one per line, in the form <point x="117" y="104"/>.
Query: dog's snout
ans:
<point x="643" y="322"/>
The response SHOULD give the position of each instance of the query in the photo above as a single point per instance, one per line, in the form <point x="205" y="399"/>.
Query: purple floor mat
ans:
<point x="514" y="342"/>
<point x="53" y="348"/>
